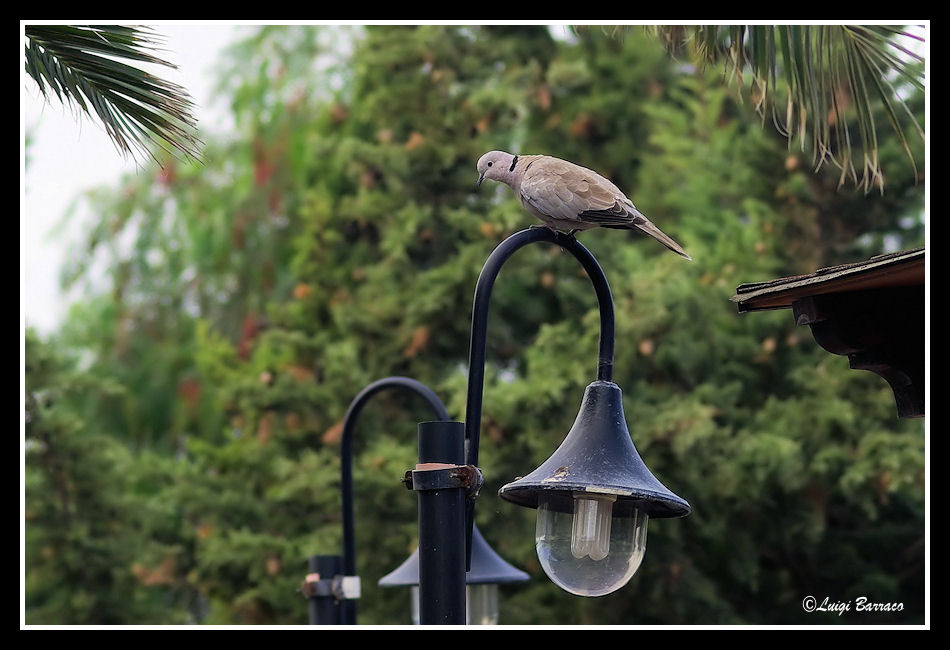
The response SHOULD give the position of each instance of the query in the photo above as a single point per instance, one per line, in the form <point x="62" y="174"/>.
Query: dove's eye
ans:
<point x="489" y="163"/>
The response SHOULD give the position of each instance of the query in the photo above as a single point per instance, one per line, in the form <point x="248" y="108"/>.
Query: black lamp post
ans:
<point x="332" y="584"/>
<point x="594" y="495"/>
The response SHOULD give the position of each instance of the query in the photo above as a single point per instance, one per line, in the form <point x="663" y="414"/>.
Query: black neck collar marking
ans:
<point x="514" y="161"/>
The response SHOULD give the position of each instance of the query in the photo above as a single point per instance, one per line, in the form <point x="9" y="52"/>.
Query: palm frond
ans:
<point x="84" y="65"/>
<point x="808" y="77"/>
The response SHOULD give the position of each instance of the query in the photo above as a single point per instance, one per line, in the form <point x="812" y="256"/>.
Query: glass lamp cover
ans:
<point x="593" y="549"/>
<point x="481" y="604"/>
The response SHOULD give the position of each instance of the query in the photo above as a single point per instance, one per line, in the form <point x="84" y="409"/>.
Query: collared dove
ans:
<point x="566" y="196"/>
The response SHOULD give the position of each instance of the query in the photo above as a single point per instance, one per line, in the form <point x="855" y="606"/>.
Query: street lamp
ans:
<point x="333" y="585"/>
<point x="594" y="495"/>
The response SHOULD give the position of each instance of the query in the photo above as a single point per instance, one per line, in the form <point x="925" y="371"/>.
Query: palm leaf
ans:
<point x="808" y="77"/>
<point x="85" y="65"/>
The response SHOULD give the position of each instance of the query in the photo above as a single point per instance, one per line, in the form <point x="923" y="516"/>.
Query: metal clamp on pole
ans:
<point x="443" y="476"/>
<point x="338" y="587"/>
<point x="328" y="589"/>
<point x="346" y="587"/>
<point x="314" y="586"/>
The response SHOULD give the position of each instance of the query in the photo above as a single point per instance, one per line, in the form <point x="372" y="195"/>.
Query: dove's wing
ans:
<point x="563" y="190"/>
<point x="569" y="193"/>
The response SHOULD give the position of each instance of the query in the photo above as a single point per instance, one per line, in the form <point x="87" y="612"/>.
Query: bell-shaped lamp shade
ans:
<point x="481" y="583"/>
<point x="594" y="497"/>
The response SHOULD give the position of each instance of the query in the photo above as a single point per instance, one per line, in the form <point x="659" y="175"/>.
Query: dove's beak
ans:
<point x="478" y="183"/>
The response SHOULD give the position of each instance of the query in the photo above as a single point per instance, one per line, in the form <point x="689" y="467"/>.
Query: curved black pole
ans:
<point x="346" y="464"/>
<point x="483" y="288"/>
<point x="476" y="363"/>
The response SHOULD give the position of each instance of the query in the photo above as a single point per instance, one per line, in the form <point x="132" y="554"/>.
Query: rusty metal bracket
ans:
<point x="443" y="476"/>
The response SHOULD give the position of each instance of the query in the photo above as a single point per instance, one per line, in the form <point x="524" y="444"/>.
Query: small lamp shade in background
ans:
<point x="481" y="583"/>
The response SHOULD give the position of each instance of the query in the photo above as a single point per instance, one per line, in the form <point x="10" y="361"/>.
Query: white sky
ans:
<point x="72" y="154"/>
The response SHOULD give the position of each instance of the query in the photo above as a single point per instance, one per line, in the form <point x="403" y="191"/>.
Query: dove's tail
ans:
<point x="647" y="226"/>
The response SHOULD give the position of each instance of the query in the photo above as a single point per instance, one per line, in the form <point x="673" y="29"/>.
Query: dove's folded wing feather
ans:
<point x="566" y="191"/>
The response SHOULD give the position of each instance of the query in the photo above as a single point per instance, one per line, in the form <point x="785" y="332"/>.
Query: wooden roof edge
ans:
<point x="770" y="291"/>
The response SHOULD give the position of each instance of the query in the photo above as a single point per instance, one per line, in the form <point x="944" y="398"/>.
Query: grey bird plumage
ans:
<point x="566" y="196"/>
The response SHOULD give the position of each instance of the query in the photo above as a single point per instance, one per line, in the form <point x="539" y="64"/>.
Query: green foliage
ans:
<point x="335" y="239"/>
<point x="100" y="547"/>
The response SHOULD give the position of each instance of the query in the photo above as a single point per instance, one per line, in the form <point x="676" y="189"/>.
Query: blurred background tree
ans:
<point x="336" y="239"/>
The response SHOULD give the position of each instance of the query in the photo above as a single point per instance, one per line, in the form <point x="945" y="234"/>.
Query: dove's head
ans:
<point x="496" y="166"/>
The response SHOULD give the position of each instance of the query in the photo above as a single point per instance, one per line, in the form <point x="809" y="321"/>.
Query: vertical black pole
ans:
<point x="324" y="608"/>
<point x="441" y="528"/>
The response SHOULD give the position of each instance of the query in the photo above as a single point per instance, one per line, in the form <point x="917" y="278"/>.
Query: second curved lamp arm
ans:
<point x="346" y="465"/>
